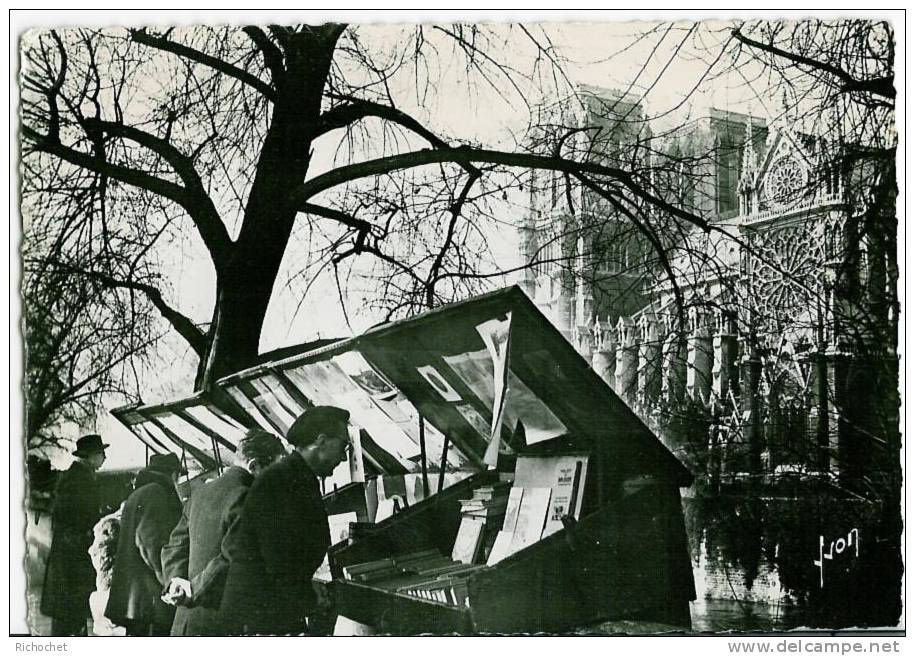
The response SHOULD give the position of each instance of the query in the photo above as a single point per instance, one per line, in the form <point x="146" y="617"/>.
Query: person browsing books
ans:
<point x="150" y="513"/>
<point x="282" y="534"/>
<point x="194" y="560"/>
<point x="70" y="577"/>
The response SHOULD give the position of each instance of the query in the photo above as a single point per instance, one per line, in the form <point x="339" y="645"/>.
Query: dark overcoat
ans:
<point x="137" y="581"/>
<point x="279" y="541"/>
<point x="195" y="551"/>
<point x="70" y="576"/>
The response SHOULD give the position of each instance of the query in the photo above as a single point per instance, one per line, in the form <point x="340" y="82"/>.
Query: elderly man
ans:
<point x="70" y="577"/>
<point x="150" y="513"/>
<point x="282" y="534"/>
<point x="194" y="560"/>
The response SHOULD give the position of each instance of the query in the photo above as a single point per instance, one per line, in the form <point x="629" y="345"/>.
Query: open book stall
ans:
<point x="204" y="429"/>
<point x="496" y="483"/>
<point x="200" y="432"/>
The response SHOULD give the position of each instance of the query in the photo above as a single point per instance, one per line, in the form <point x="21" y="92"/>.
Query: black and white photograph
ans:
<point x="471" y="324"/>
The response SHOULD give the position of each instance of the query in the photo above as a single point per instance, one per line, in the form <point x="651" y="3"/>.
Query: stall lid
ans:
<point x="194" y="428"/>
<point x="447" y="366"/>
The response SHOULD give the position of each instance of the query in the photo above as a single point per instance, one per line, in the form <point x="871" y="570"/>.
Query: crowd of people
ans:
<point x="237" y="558"/>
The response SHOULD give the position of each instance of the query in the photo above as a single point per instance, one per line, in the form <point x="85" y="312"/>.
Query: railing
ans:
<point x="816" y="202"/>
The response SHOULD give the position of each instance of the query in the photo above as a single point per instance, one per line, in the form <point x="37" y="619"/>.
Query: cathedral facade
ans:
<point x="760" y="339"/>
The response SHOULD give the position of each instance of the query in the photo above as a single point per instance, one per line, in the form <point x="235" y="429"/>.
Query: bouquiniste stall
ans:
<point x="496" y="484"/>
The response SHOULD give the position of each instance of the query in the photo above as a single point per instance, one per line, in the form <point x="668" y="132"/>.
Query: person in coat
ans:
<point x="150" y="513"/>
<point x="70" y="576"/>
<point x="194" y="559"/>
<point x="282" y="534"/>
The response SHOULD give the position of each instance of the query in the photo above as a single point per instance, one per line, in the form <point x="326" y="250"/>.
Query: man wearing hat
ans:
<point x="150" y="513"/>
<point x="282" y="535"/>
<point x="70" y="577"/>
<point x="194" y="559"/>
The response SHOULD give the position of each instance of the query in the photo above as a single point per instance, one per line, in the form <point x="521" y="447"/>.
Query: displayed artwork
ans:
<point x="439" y="384"/>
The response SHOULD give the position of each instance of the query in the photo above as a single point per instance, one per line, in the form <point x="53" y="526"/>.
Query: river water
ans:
<point x="755" y="562"/>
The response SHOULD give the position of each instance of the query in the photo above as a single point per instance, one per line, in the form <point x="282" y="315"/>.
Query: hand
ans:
<point x="323" y="596"/>
<point x="178" y="592"/>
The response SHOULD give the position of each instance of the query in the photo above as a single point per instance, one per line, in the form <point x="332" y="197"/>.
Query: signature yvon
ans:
<point x="837" y="547"/>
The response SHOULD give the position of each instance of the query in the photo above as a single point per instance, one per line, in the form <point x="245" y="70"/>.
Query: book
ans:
<point x="577" y="489"/>
<point x="534" y="471"/>
<point x="414" y="488"/>
<point x="432" y="590"/>
<point x="565" y="495"/>
<point x="468" y="540"/>
<point x="369" y="565"/>
<point x="512" y="508"/>
<point x="340" y="526"/>
<point x="449" y="587"/>
<point x="386" y="508"/>
<point x="459" y="593"/>
<point x="323" y="571"/>
<point x="426" y="565"/>
<point x="494" y="491"/>
<point x="472" y="504"/>
<point x="565" y="476"/>
<point x="485" y="513"/>
<point x="493" y="527"/>
<point x="414" y="556"/>
<point x="501" y="549"/>
<point x="371" y="498"/>
<point x="447" y="570"/>
<point x="531" y="517"/>
<point x="376" y="575"/>
<point x="350" y="572"/>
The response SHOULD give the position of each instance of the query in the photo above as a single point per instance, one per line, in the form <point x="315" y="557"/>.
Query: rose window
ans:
<point x="785" y="181"/>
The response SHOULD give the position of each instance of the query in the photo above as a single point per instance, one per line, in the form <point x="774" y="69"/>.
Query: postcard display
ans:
<point x="502" y="485"/>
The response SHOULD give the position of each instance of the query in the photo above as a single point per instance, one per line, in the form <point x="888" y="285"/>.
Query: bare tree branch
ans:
<point x="196" y="201"/>
<point x="182" y="324"/>
<point x="355" y="109"/>
<point x="167" y="45"/>
<point x="140" y="179"/>
<point x="455" y="211"/>
<point x="469" y="155"/>
<point x="338" y="216"/>
<point x="273" y="57"/>
<point x="882" y="86"/>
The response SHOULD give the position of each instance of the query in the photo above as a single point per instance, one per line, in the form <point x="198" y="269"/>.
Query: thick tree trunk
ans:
<point x="245" y="284"/>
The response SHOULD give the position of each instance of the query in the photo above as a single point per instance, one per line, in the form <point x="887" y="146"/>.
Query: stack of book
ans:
<point x="448" y="587"/>
<point x="424" y="574"/>
<point x="481" y="517"/>
<point x="488" y="502"/>
<point x="414" y="562"/>
<point x="498" y="521"/>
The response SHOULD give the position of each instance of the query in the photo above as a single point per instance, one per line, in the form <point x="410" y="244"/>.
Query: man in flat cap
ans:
<point x="150" y="513"/>
<point x="70" y="577"/>
<point x="282" y="535"/>
<point x="194" y="559"/>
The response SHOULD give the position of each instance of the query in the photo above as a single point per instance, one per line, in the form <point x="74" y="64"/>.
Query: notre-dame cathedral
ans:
<point x="760" y="339"/>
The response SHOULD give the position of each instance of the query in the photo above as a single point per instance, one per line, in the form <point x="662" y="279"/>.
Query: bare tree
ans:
<point x="133" y="137"/>
<point x="216" y="128"/>
<point x="80" y="338"/>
